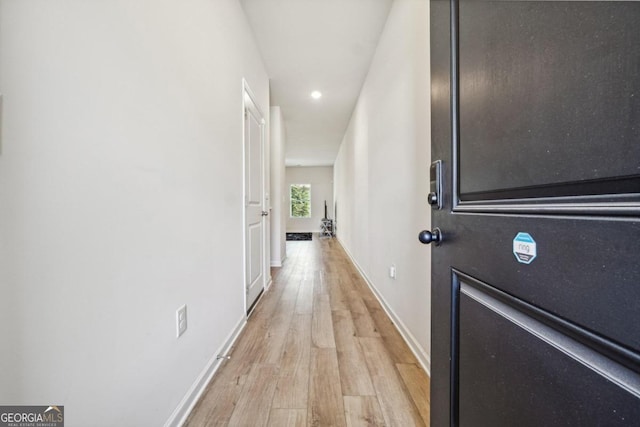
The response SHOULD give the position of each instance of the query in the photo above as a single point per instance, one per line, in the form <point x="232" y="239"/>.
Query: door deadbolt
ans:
<point x="435" y="185"/>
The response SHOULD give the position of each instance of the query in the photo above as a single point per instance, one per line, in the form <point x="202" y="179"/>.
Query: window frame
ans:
<point x="291" y="186"/>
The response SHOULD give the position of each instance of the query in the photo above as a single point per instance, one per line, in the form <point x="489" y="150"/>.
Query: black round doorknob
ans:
<point x="427" y="236"/>
<point x="432" y="199"/>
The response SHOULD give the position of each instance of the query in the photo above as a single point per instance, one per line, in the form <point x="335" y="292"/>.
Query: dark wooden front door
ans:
<point x="536" y="284"/>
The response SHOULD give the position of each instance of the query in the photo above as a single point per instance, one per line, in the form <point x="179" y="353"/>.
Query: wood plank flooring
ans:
<point x="318" y="350"/>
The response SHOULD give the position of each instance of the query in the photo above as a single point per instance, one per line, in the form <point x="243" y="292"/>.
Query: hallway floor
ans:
<point x="318" y="350"/>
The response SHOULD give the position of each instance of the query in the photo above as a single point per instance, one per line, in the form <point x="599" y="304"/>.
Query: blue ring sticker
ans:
<point x="524" y="248"/>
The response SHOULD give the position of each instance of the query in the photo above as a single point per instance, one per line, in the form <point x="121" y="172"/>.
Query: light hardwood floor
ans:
<point x="318" y="350"/>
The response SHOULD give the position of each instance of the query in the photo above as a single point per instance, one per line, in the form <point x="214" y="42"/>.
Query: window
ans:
<point x="300" y="195"/>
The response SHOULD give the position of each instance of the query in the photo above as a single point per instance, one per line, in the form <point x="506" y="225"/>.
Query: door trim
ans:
<point x="545" y="206"/>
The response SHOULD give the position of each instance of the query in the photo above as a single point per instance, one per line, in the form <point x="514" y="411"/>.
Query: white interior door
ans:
<point x="255" y="212"/>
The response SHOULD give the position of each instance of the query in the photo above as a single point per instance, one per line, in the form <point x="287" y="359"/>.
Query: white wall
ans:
<point x="381" y="173"/>
<point x="120" y="200"/>
<point x="278" y="198"/>
<point x="321" y="180"/>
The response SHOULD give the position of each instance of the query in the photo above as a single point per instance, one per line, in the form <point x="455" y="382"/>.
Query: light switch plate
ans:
<point x="181" y="320"/>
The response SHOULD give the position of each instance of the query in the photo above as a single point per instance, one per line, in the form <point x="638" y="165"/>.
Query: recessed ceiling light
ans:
<point x="316" y="94"/>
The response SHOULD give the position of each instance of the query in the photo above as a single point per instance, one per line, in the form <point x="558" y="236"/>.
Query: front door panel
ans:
<point x="536" y="118"/>
<point x="538" y="82"/>
<point x="532" y="375"/>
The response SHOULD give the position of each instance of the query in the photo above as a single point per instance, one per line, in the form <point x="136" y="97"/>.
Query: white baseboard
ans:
<point x="278" y="263"/>
<point x="185" y="407"/>
<point x="417" y="350"/>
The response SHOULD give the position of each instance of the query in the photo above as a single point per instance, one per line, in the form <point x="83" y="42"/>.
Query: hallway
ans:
<point x="318" y="350"/>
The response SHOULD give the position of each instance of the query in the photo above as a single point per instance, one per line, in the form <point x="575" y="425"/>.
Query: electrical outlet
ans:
<point x="181" y="320"/>
<point x="392" y="271"/>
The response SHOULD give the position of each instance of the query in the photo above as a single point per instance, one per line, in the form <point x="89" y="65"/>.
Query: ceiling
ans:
<point x="324" y="45"/>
